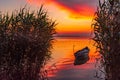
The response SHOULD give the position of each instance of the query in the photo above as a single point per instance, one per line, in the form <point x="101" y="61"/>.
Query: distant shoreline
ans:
<point x="73" y="35"/>
<point x="70" y="37"/>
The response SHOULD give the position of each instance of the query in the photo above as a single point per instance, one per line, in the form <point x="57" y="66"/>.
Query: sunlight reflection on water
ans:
<point x="61" y="65"/>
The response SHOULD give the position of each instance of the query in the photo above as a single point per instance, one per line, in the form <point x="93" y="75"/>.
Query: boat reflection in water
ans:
<point x="81" y="56"/>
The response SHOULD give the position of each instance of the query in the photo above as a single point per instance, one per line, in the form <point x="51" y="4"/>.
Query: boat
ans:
<point x="81" y="56"/>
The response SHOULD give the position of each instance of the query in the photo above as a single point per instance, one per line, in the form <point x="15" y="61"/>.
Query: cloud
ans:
<point x="71" y="4"/>
<point x="75" y="4"/>
<point x="78" y="7"/>
<point x="75" y="8"/>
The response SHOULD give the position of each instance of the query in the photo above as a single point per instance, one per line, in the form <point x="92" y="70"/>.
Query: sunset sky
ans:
<point x="72" y="16"/>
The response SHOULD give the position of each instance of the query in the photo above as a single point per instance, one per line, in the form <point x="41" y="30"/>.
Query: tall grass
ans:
<point x="107" y="37"/>
<point x="25" y="42"/>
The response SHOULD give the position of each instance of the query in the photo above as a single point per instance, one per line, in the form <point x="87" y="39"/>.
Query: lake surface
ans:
<point x="61" y="66"/>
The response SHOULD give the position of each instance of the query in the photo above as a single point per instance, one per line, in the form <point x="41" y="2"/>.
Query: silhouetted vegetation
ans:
<point x="107" y="37"/>
<point x="25" y="42"/>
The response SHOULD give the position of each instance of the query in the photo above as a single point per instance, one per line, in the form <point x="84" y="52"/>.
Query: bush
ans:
<point x="25" y="42"/>
<point x="107" y="37"/>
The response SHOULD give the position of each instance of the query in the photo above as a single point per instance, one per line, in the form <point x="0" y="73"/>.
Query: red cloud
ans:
<point x="76" y="8"/>
<point x="79" y="11"/>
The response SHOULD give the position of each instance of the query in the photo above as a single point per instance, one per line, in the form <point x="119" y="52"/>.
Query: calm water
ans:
<point x="61" y="65"/>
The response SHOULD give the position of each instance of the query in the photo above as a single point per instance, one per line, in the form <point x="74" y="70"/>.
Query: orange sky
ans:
<point x="71" y="15"/>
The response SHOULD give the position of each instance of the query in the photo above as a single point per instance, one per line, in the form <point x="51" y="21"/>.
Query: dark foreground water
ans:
<point x="61" y="67"/>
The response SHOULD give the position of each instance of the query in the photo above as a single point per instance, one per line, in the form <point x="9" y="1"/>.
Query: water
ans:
<point x="61" y="66"/>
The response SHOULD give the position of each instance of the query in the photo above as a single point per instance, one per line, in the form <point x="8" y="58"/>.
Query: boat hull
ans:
<point x="81" y="56"/>
<point x="81" y="60"/>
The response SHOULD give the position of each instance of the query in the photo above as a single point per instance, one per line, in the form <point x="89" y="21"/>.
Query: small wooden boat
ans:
<point x="81" y="56"/>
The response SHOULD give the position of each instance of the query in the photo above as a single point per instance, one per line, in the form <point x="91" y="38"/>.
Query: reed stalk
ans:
<point x="107" y="37"/>
<point x="25" y="43"/>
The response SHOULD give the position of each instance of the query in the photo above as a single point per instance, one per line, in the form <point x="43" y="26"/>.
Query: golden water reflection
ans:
<point x="63" y="59"/>
<point x="65" y="48"/>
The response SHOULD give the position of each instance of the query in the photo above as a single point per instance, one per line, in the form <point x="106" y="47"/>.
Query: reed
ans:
<point x="107" y="37"/>
<point x="25" y="43"/>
